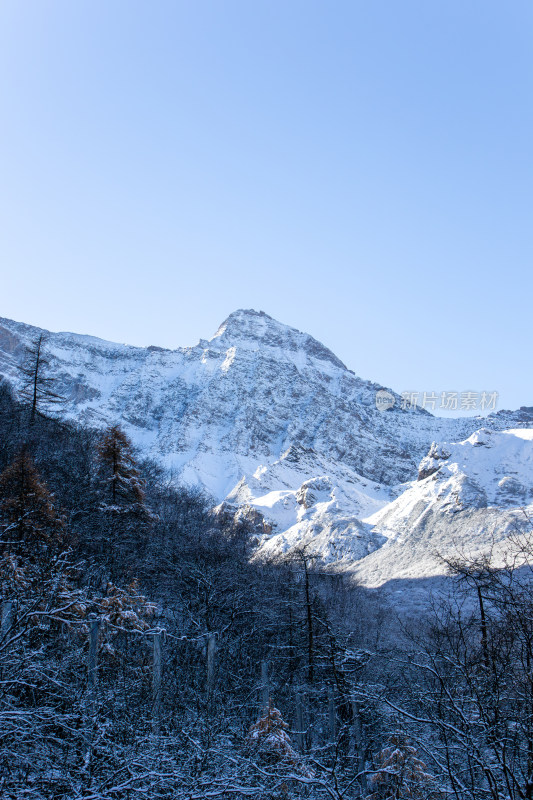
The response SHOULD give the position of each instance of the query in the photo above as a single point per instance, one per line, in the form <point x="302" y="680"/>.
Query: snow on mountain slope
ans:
<point x="470" y="495"/>
<point x="241" y="399"/>
<point x="318" y="502"/>
<point x="260" y="416"/>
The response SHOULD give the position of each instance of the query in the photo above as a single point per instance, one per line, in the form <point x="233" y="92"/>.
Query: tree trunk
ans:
<point x="310" y="640"/>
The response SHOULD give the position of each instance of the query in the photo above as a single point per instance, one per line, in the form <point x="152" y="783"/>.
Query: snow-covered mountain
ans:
<point x="267" y="420"/>
<point x="468" y="498"/>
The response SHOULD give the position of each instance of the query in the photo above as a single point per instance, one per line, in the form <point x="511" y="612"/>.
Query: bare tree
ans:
<point x="464" y="695"/>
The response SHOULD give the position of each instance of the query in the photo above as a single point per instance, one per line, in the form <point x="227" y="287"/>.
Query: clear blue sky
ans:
<point x="359" y="169"/>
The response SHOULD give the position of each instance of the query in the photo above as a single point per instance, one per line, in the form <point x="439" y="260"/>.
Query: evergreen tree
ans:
<point x="38" y="387"/>
<point x="272" y="742"/>
<point x="119" y="469"/>
<point x="36" y="570"/>
<point x="400" y="773"/>
<point x="30" y="525"/>
<point x="126" y="517"/>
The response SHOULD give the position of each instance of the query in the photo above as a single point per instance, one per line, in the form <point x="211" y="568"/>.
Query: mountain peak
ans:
<point x="248" y="325"/>
<point x="241" y="319"/>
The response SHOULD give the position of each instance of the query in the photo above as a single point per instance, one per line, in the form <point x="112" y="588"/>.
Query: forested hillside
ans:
<point x="144" y="655"/>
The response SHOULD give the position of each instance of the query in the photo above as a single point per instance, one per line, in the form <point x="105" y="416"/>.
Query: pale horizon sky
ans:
<point x="362" y="171"/>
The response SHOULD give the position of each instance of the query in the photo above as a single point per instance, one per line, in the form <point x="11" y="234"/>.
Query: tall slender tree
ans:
<point x="125" y="515"/>
<point x="38" y="386"/>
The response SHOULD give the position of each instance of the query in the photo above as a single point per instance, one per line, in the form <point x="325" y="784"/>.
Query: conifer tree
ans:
<point x="30" y="524"/>
<point x="126" y="518"/>
<point x="400" y="773"/>
<point x="38" y="387"/>
<point x="35" y="565"/>
<point x="119" y="469"/>
<point x="269" y="735"/>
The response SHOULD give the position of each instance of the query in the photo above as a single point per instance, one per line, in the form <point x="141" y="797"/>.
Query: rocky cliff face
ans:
<point x="260" y="415"/>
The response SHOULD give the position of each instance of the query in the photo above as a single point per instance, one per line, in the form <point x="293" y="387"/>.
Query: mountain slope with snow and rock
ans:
<point x="469" y="498"/>
<point x="268" y="422"/>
